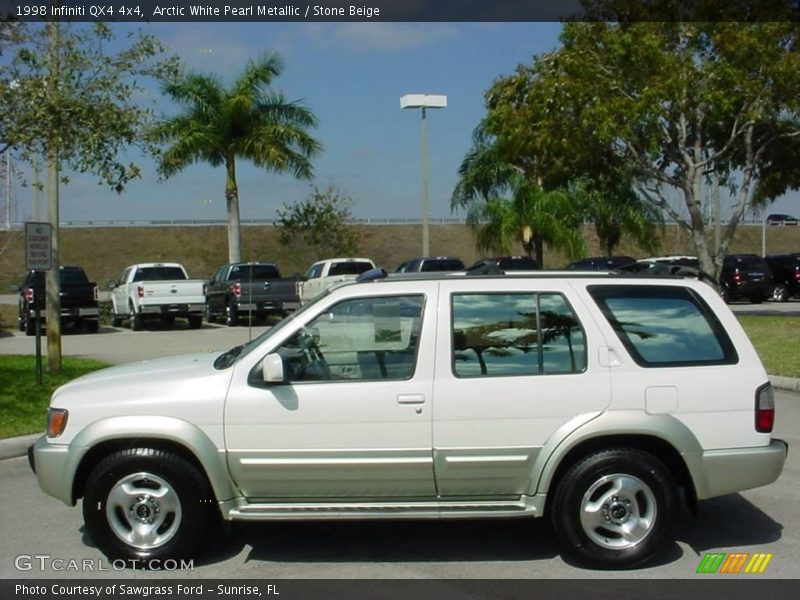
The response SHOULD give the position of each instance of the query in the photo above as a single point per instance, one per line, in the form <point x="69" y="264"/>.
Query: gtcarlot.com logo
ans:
<point x="734" y="563"/>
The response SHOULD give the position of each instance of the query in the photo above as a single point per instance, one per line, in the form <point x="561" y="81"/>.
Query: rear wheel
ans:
<point x="146" y="504"/>
<point x="29" y="325"/>
<point x="136" y="320"/>
<point x="780" y="293"/>
<point x="195" y="321"/>
<point x="231" y="316"/>
<point x="614" y="508"/>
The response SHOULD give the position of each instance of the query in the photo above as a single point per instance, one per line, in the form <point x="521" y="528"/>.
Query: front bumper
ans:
<point x="54" y="468"/>
<point x="729" y="471"/>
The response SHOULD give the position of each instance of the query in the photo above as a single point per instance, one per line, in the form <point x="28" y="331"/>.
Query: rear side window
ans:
<point x="349" y="268"/>
<point x="665" y="326"/>
<point x="498" y="335"/>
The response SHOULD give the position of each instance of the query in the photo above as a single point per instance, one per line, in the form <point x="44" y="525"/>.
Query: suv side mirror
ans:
<point x="272" y="369"/>
<point x="112" y="285"/>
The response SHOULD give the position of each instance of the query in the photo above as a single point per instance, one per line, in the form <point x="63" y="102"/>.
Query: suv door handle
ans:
<point x="411" y="399"/>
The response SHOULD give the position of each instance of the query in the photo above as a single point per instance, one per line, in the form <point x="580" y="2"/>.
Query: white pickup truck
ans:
<point x="324" y="274"/>
<point x="157" y="291"/>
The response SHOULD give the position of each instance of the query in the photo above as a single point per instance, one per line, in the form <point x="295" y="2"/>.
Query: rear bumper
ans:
<point x="729" y="471"/>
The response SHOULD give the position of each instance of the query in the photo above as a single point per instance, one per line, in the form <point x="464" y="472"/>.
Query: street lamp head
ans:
<point x="423" y="101"/>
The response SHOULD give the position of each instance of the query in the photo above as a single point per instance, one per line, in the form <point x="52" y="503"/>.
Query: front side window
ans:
<point x="314" y="272"/>
<point x="361" y="339"/>
<point x="664" y="326"/>
<point x="497" y="335"/>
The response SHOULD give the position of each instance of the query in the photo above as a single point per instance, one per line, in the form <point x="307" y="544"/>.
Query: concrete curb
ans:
<point x="18" y="446"/>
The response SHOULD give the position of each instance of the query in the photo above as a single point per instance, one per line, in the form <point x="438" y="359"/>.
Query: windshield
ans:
<point x="236" y="353"/>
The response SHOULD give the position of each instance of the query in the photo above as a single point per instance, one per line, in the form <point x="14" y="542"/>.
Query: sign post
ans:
<point x="38" y="257"/>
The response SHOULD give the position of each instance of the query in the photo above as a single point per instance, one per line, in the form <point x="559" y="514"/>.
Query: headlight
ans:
<point x="56" y="421"/>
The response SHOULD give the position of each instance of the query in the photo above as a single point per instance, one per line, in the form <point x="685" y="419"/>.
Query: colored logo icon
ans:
<point x="734" y="563"/>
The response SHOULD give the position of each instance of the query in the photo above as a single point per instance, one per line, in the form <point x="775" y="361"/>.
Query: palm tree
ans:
<point x="246" y="120"/>
<point x="531" y="216"/>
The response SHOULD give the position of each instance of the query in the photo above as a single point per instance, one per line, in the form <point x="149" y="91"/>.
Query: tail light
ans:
<point x="140" y="291"/>
<point x="29" y="295"/>
<point x="765" y="409"/>
<point x="236" y="290"/>
<point x="737" y="277"/>
<point x="797" y="275"/>
<point x="95" y="294"/>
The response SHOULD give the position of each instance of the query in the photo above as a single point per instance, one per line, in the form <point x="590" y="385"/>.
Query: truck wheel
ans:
<point x="210" y="318"/>
<point x="614" y="508"/>
<point x="136" y="321"/>
<point x="145" y="504"/>
<point x="29" y="325"/>
<point x="231" y="316"/>
<point x="116" y="320"/>
<point x="195" y="321"/>
<point x="92" y="326"/>
<point x="780" y="293"/>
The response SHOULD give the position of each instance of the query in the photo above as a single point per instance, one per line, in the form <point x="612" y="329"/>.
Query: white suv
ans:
<point x="601" y="402"/>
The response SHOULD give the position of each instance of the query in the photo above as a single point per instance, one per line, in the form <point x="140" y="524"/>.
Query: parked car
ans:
<point x="600" y="263"/>
<point x="785" y="270"/>
<point x="253" y="289"/>
<point x="781" y="219"/>
<point x="602" y="402"/>
<point x="428" y="264"/>
<point x="157" y="291"/>
<point x="505" y="263"/>
<point x="78" y="300"/>
<point x="324" y="274"/>
<point x="745" y="276"/>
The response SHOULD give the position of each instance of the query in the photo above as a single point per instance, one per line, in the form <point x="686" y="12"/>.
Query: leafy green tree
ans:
<point x="247" y="120"/>
<point x="319" y="224"/>
<point x="668" y="106"/>
<point x="617" y="211"/>
<point x="507" y="206"/>
<point x="67" y="97"/>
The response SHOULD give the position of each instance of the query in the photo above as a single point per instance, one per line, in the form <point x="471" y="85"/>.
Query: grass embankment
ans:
<point x="23" y="403"/>
<point x="776" y="341"/>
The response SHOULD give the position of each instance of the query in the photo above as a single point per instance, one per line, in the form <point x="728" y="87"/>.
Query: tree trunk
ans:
<point x="538" y="244"/>
<point x="232" y="204"/>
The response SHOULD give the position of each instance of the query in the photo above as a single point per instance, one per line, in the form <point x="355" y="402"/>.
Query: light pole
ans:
<point x="424" y="101"/>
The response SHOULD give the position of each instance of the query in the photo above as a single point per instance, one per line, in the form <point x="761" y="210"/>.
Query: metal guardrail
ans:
<point x="222" y="222"/>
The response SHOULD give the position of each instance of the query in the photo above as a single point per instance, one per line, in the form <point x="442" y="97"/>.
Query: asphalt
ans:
<point x="18" y="446"/>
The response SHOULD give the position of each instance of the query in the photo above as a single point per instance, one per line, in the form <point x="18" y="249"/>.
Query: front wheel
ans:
<point x="614" y="508"/>
<point x="146" y="505"/>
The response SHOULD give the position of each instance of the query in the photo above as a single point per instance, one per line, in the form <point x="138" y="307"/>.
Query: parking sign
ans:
<point x="38" y="244"/>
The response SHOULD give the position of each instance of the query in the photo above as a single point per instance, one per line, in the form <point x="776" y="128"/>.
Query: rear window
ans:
<point x="747" y="263"/>
<point x="158" y="274"/>
<point x="67" y="276"/>
<point x="442" y="264"/>
<point x="664" y="326"/>
<point x="521" y="263"/>
<point x="349" y="268"/>
<point x="247" y="272"/>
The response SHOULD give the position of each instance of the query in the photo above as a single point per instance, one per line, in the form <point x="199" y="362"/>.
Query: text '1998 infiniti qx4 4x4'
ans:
<point x="603" y="403"/>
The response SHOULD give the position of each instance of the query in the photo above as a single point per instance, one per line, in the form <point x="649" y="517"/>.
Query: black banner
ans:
<point x="399" y="10"/>
<point x="488" y="589"/>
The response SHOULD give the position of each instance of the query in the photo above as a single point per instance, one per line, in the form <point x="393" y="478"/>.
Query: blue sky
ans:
<point x="352" y="76"/>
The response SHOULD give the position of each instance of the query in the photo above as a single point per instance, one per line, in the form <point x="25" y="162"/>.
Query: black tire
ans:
<point x="231" y="316"/>
<point x="29" y="326"/>
<point x="601" y="498"/>
<point x="136" y="321"/>
<point x="195" y="321"/>
<point x="116" y="320"/>
<point x="780" y="293"/>
<point x="117" y="494"/>
<point x="92" y="326"/>
<point x="210" y="317"/>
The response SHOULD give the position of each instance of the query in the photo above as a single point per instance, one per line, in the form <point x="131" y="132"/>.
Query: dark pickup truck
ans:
<point x="252" y="289"/>
<point x="78" y="300"/>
